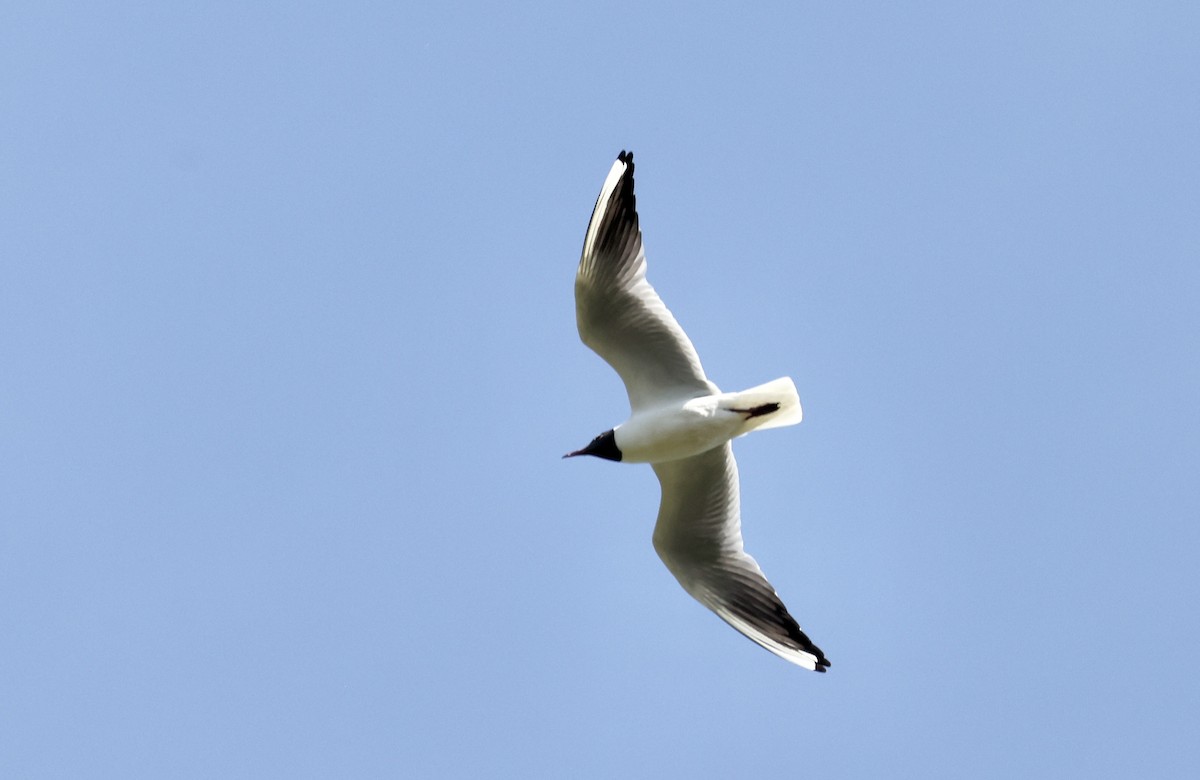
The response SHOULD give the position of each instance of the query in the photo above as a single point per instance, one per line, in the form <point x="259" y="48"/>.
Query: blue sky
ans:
<point x="287" y="330"/>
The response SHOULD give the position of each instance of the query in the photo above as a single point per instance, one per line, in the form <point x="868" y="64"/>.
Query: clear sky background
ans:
<point x="288" y="361"/>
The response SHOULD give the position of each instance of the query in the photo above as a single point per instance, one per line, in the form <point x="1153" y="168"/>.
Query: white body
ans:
<point x="687" y="427"/>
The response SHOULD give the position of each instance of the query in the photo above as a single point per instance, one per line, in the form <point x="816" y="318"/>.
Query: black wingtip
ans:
<point x="627" y="158"/>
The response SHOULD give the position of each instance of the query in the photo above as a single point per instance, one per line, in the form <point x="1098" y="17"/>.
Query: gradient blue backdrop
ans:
<point x="288" y="359"/>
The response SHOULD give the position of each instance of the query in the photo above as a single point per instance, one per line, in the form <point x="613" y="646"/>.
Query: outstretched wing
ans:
<point x="699" y="538"/>
<point x="619" y="314"/>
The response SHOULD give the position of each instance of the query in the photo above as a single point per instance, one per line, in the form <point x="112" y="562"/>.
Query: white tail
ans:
<point x="780" y="391"/>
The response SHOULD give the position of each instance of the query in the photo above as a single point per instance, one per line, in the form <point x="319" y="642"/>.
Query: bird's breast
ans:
<point x="676" y="431"/>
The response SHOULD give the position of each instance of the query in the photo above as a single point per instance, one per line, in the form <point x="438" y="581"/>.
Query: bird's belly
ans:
<point x="680" y="432"/>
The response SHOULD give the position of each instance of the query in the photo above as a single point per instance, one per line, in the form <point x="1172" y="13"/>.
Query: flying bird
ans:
<point x="682" y="425"/>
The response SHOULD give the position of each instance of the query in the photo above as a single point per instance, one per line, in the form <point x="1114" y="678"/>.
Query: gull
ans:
<point x="682" y="425"/>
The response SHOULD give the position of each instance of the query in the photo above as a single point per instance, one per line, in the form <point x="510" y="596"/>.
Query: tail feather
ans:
<point x="771" y="405"/>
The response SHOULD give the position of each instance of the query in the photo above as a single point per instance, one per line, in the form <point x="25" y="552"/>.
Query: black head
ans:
<point x="603" y="446"/>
